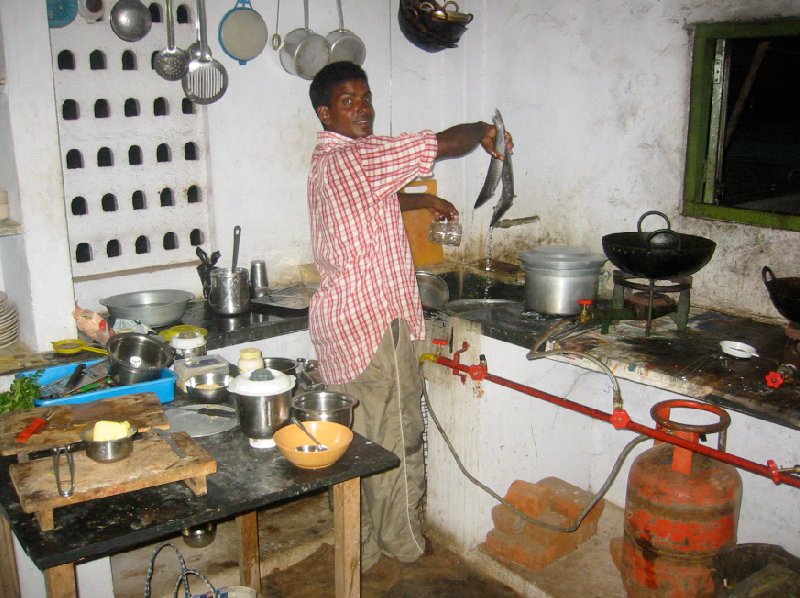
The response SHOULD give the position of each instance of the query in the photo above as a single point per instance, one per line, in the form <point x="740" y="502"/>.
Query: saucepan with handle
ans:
<point x="345" y="45"/>
<point x="304" y="52"/>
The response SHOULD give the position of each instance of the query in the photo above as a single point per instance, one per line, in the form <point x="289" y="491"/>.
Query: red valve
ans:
<point x="775" y="379"/>
<point x="586" y="302"/>
<point x="440" y="341"/>
<point x="773" y="468"/>
<point x="620" y="419"/>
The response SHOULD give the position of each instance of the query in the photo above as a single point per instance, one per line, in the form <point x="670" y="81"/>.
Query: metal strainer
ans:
<point x="206" y="80"/>
<point x="171" y="63"/>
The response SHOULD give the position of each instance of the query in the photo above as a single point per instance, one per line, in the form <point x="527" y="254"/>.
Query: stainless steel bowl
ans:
<point x="135" y="358"/>
<point x="324" y="405"/>
<point x="108" y="451"/>
<point x="201" y="535"/>
<point x="282" y="364"/>
<point x="211" y="387"/>
<point x="154" y="308"/>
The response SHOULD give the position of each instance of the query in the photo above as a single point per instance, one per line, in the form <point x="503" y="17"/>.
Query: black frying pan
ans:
<point x="657" y="255"/>
<point x="785" y="294"/>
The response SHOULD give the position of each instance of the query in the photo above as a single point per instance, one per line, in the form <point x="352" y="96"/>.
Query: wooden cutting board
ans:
<point x="424" y="251"/>
<point x="152" y="463"/>
<point x="143" y="410"/>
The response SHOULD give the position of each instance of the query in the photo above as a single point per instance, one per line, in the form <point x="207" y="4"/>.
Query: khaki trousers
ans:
<point x="389" y="413"/>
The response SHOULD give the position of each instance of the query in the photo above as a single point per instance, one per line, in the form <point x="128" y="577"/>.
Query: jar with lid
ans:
<point x="250" y="359"/>
<point x="188" y="344"/>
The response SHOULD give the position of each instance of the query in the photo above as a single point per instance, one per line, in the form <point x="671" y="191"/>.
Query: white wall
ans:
<point x="596" y="95"/>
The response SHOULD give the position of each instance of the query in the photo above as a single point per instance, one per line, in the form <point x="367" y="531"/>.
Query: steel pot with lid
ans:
<point x="558" y="276"/>
<point x="263" y="403"/>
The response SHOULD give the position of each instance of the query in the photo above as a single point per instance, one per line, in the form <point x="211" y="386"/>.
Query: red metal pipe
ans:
<point x="620" y="420"/>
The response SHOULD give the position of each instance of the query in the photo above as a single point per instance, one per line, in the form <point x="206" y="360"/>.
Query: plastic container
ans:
<point x="188" y="344"/>
<point x="163" y="387"/>
<point x="250" y="359"/>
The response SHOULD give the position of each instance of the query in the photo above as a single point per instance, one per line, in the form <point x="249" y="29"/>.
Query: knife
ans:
<point x="37" y="423"/>
<point x="214" y="412"/>
<point x="172" y="444"/>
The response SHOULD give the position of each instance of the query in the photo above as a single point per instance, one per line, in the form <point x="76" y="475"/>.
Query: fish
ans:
<point x="507" y="195"/>
<point x="494" y="174"/>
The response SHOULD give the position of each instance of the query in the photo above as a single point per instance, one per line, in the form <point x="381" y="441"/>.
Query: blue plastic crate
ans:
<point x="163" y="387"/>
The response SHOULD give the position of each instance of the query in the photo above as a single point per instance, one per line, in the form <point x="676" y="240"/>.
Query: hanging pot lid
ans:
<point x="242" y="32"/>
<point x="263" y="382"/>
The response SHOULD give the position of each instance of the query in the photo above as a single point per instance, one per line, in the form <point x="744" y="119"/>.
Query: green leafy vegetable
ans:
<point x="20" y="395"/>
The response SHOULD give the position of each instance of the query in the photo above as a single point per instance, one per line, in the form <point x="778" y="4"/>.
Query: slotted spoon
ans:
<point x="171" y="63"/>
<point x="207" y="80"/>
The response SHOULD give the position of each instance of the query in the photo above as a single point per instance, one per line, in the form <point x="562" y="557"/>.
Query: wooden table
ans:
<point x="247" y="479"/>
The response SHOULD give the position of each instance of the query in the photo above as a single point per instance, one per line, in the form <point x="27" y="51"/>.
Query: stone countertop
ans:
<point x="260" y="322"/>
<point x="688" y="362"/>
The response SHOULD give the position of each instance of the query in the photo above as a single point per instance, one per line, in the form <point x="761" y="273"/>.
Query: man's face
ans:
<point x="351" y="113"/>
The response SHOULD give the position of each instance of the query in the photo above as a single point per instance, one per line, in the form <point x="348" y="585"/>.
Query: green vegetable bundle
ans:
<point x="20" y="395"/>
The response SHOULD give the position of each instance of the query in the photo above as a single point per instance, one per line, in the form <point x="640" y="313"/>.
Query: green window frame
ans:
<point x="698" y="200"/>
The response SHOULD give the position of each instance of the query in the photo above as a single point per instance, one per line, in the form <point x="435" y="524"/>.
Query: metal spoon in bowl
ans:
<point x="171" y="63"/>
<point x="308" y="448"/>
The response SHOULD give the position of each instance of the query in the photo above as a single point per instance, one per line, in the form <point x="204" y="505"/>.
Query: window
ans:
<point x="743" y="155"/>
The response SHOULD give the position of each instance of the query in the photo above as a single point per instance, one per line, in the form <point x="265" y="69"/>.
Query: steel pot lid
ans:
<point x="562" y="257"/>
<point x="262" y="382"/>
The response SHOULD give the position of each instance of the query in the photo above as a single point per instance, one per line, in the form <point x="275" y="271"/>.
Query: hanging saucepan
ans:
<point x="304" y="52"/>
<point x="346" y="46"/>
<point x="657" y="255"/>
<point x="785" y="294"/>
<point x="242" y="32"/>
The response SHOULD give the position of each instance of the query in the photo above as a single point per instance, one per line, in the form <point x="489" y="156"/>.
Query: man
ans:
<point x="367" y="308"/>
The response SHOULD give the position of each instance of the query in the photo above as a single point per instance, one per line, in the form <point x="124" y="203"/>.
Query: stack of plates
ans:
<point x="9" y="321"/>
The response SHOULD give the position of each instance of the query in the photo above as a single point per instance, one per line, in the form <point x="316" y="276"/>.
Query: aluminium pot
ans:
<point x="262" y="399"/>
<point x="230" y="291"/>
<point x="784" y="292"/>
<point x="658" y="255"/>
<point x="134" y="358"/>
<point x="304" y="52"/>
<point x="557" y="292"/>
<point x="324" y="405"/>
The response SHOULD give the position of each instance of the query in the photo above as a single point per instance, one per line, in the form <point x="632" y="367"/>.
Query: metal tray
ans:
<point x="294" y="297"/>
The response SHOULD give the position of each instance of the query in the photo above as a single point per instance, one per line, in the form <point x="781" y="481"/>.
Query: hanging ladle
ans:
<point x="308" y="448"/>
<point x="130" y="20"/>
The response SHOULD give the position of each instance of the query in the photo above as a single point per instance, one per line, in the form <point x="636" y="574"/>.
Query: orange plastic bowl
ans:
<point x="335" y="436"/>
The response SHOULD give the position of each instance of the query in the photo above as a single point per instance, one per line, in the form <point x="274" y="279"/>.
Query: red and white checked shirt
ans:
<point x="367" y="275"/>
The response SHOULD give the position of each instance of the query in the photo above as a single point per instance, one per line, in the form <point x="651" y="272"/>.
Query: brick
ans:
<point x="529" y="498"/>
<point x="523" y="550"/>
<point x="562" y="541"/>
<point x="507" y="521"/>
<point x="570" y="500"/>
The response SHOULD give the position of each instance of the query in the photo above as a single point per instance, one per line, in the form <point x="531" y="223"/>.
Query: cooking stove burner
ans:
<point x="652" y="302"/>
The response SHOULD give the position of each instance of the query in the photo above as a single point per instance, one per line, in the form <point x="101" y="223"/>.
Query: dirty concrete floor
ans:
<point x="296" y="543"/>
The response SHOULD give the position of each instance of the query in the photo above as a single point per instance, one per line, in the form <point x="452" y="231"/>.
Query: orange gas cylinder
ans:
<point x="680" y="509"/>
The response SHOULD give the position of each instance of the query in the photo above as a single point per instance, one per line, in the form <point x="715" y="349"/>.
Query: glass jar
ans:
<point x="250" y="359"/>
<point x="444" y="232"/>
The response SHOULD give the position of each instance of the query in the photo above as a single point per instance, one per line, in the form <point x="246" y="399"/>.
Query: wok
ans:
<point x="785" y="294"/>
<point x="657" y="255"/>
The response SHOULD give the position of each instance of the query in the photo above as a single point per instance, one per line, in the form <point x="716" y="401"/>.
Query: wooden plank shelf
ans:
<point x="152" y="463"/>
